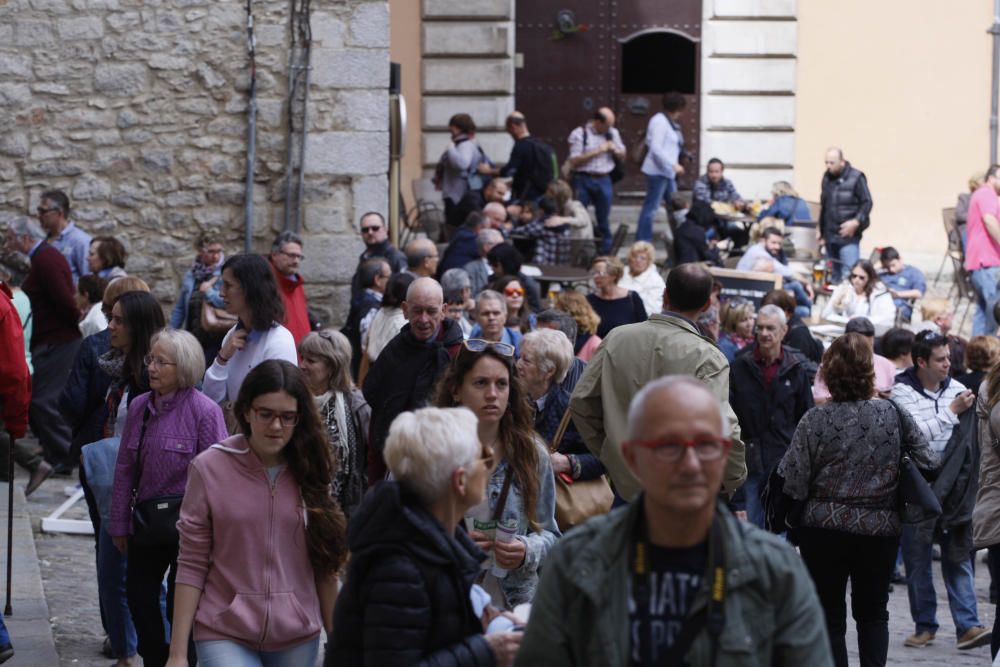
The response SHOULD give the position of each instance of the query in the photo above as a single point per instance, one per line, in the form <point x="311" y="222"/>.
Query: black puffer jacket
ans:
<point x="405" y="599"/>
<point x="844" y="197"/>
<point x="403" y="378"/>
<point x="768" y="418"/>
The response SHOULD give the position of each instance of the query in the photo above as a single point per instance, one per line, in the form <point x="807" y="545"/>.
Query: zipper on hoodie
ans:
<point x="267" y="570"/>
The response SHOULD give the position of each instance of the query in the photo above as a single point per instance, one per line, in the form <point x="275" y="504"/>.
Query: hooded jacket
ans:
<point x="293" y="294"/>
<point x="243" y="545"/>
<point x="405" y="599"/>
<point x="15" y="381"/>
<point x="403" y="378"/>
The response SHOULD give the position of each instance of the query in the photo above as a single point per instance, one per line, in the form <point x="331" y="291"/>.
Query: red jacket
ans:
<point x="15" y="381"/>
<point x="293" y="293"/>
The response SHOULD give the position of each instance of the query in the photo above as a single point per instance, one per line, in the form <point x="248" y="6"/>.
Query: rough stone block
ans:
<point x="124" y="21"/>
<point x="325" y="219"/>
<point x="91" y="188"/>
<point x="327" y="30"/>
<point x="14" y="94"/>
<point x="270" y="35"/>
<point x="369" y="25"/>
<point x="14" y="144"/>
<point x="488" y="112"/>
<point x="357" y="110"/>
<point x="332" y="258"/>
<point x="165" y="61"/>
<point x="83" y="27"/>
<point x="15" y="66"/>
<point x="33" y="34"/>
<point x="185" y="198"/>
<point x="120" y="80"/>
<point x="350" y="68"/>
<point x="370" y="193"/>
<point x="348" y="153"/>
<point x="468" y="76"/>
<point x="452" y="9"/>
<point x="468" y="39"/>
<point x="156" y="160"/>
<point x="51" y="6"/>
<point x="50" y="88"/>
<point x="751" y="38"/>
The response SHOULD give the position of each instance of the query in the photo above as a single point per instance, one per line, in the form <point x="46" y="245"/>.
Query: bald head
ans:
<point x="834" y="160"/>
<point x="689" y="290"/>
<point x="604" y="120"/>
<point x="424" y="307"/>
<point x="672" y="394"/>
<point x="421" y="257"/>
<point x="516" y="125"/>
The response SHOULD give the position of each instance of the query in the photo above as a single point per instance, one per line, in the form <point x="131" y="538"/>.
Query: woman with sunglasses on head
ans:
<point x="614" y="304"/>
<point x="406" y="596"/>
<point x="262" y="538"/>
<point x="521" y="492"/>
<point x="863" y="294"/>
<point x="251" y="293"/>
<point x="326" y="368"/>
<point x="165" y="429"/>
<point x="843" y="465"/>
<point x="519" y="315"/>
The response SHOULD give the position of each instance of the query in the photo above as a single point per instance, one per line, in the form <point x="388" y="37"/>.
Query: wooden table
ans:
<point x="566" y="276"/>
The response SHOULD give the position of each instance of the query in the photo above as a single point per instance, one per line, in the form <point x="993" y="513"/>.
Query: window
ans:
<point x="655" y="62"/>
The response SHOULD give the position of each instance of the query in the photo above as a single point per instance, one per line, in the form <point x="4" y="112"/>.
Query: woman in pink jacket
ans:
<point x="262" y="538"/>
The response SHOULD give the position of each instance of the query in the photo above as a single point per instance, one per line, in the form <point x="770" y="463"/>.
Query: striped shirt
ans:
<point x="930" y="410"/>
<point x="583" y="139"/>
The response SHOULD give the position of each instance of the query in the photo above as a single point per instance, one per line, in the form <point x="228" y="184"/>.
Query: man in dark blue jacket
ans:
<point x="463" y="247"/>
<point x="769" y="390"/>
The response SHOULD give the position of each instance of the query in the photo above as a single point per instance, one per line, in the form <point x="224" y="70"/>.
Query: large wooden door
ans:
<point x="574" y="56"/>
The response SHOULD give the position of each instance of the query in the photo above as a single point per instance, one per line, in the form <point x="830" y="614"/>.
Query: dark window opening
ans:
<point x="658" y="62"/>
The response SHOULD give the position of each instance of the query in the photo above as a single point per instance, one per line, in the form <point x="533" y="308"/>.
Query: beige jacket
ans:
<point x="986" y="514"/>
<point x="629" y="358"/>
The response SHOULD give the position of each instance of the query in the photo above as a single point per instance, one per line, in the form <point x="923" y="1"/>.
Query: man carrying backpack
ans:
<point x="593" y="149"/>
<point x="532" y="163"/>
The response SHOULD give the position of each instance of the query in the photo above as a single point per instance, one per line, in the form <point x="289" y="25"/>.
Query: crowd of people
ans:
<point x="492" y="473"/>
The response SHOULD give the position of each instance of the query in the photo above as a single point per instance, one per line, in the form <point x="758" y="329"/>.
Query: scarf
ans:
<point x="112" y="363"/>
<point x="202" y="271"/>
<point x="332" y="407"/>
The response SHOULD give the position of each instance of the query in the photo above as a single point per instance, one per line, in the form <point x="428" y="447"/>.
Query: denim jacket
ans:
<point x="178" y="317"/>
<point x="519" y="585"/>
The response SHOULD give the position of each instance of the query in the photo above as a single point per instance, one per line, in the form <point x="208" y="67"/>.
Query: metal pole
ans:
<point x="995" y="88"/>
<point x="8" y="608"/>
<point x="251" y="132"/>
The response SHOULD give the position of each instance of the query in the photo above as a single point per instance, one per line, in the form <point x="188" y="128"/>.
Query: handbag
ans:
<point x="639" y="151"/>
<point x="578" y="500"/>
<point x="782" y="513"/>
<point x="154" y="520"/>
<point x="216" y="320"/>
<point x="917" y="500"/>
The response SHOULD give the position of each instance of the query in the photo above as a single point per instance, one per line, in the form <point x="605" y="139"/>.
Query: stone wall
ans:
<point x="137" y="109"/>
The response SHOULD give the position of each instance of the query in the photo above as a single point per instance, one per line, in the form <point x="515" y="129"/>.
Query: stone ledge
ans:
<point x="468" y="39"/>
<point x="463" y="9"/>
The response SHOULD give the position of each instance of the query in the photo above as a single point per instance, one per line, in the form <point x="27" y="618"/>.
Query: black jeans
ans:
<point x="146" y="567"/>
<point x="994" y="564"/>
<point x="833" y="557"/>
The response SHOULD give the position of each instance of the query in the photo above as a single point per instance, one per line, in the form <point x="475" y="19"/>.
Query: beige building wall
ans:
<point x="404" y="48"/>
<point x="903" y="86"/>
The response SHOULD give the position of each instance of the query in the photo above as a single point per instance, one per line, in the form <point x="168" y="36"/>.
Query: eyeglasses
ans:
<point x="598" y="274"/>
<point x="672" y="451"/>
<point x="293" y="255"/>
<point x="43" y="211"/>
<point x="370" y="230"/>
<point x="150" y="360"/>
<point x="480" y="345"/>
<point x="858" y="276"/>
<point x="513" y="291"/>
<point x="265" y="416"/>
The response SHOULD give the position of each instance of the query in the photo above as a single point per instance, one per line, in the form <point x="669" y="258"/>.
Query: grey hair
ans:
<point x="772" y="310"/>
<point x="23" y="226"/>
<point x="425" y="447"/>
<point x="188" y="355"/>
<point x="453" y="281"/>
<point x="491" y="295"/>
<point x="638" y="406"/>
<point x="553" y="351"/>
<point x="487" y="236"/>
<point x="565" y="321"/>
<point x="283" y="239"/>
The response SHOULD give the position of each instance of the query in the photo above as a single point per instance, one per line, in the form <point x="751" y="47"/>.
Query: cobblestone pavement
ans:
<point x="69" y="579"/>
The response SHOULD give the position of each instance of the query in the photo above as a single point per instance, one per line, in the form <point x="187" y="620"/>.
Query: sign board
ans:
<point x="752" y="285"/>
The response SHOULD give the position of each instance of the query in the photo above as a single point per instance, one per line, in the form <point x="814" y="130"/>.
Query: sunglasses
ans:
<point x="856" y="276"/>
<point x="370" y="230"/>
<point x="479" y="345"/>
<point x="513" y="291"/>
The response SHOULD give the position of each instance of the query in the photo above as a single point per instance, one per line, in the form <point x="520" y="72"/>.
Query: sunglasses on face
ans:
<point x="855" y="276"/>
<point x="370" y="230"/>
<point x="513" y="291"/>
<point x="480" y="345"/>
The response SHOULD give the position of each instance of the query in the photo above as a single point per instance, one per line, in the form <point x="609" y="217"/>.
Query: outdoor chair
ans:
<point x="954" y="238"/>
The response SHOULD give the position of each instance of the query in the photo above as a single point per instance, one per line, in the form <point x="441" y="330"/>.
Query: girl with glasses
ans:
<point x="862" y="294"/>
<point x="165" y="429"/>
<point x="521" y="491"/>
<point x="262" y="538"/>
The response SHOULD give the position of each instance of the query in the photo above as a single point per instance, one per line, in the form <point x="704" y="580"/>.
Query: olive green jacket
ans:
<point x="630" y="357"/>
<point x="580" y="612"/>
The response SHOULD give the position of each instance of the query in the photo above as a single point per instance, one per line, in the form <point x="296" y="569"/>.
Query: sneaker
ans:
<point x="6" y="653"/>
<point x="919" y="640"/>
<point x="973" y="637"/>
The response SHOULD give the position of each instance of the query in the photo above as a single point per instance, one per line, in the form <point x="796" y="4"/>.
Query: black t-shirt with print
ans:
<point x="675" y="575"/>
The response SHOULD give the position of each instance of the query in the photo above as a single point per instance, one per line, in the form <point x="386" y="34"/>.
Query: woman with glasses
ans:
<point x="326" y="367"/>
<point x="262" y="538"/>
<point x="642" y="276"/>
<point x="165" y="429"/>
<point x="520" y="494"/>
<point x="251" y="294"/>
<point x="862" y="295"/>
<point x="843" y="466"/>
<point x="519" y="315"/>
<point x="614" y="304"/>
<point x="406" y="596"/>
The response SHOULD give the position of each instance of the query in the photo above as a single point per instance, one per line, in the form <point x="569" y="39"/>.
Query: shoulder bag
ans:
<point x="154" y="521"/>
<point x="216" y="320"/>
<point x="917" y="500"/>
<point x="578" y="500"/>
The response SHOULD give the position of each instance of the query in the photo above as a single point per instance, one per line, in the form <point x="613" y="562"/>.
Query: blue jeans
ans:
<point x="751" y="489"/>
<point x="984" y="281"/>
<point x="803" y="304"/>
<point x="658" y="189"/>
<point x="221" y="653"/>
<point x="4" y="635"/>
<point x="596" y="190"/>
<point x="111" y="570"/>
<point x="958" y="581"/>
<point x="848" y="254"/>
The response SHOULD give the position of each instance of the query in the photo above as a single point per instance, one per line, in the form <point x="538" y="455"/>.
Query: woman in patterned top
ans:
<point x="326" y="367"/>
<point x="844" y="463"/>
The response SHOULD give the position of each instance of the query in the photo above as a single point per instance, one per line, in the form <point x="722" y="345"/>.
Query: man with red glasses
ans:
<point x="674" y="578"/>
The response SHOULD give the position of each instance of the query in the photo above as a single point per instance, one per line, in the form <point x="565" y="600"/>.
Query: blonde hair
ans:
<point x="613" y="265"/>
<point x="734" y="312"/>
<point x="976" y="181"/>
<point x="576" y="306"/>
<point x="188" y="355"/>
<point x="554" y="352"/>
<point x="332" y="347"/>
<point x="426" y="446"/>
<point x="644" y="247"/>
<point x="783" y="189"/>
<point x="934" y="307"/>
<point x="116" y="288"/>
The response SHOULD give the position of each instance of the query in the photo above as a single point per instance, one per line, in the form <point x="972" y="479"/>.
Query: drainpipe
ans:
<point x="995" y="89"/>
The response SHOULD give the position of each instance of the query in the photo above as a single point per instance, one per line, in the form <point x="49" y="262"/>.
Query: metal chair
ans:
<point x="618" y="240"/>
<point x="954" y="236"/>
<point x="962" y="285"/>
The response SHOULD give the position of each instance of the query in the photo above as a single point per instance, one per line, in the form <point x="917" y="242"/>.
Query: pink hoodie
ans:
<point x="243" y="544"/>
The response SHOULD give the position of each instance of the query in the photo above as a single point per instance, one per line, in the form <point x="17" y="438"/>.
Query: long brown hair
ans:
<point x="993" y="386"/>
<point x="517" y="431"/>
<point x="309" y="460"/>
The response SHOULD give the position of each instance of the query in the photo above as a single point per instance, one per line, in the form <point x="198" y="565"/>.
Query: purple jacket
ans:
<point x="181" y="426"/>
